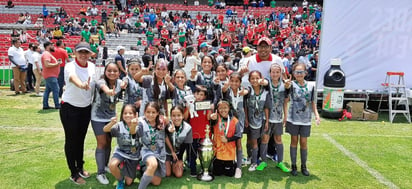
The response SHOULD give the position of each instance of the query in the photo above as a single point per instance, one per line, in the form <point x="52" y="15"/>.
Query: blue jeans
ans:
<point x="61" y="81"/>
<point x="51" y="86"/>
<point x="150" y="43"/>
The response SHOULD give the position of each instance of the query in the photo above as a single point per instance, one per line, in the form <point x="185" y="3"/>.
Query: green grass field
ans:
<point x="347" y="154"/>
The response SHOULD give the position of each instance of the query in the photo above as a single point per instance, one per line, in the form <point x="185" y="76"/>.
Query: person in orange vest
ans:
<point x="226" y="130"/>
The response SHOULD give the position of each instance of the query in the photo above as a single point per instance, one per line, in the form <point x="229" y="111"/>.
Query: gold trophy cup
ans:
<point x="206" y="154"/>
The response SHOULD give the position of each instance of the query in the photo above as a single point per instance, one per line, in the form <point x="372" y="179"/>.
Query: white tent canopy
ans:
<point x="371" y="37"/>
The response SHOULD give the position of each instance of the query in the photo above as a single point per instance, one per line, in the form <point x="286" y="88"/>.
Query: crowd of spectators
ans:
<point x="294" y="31"/>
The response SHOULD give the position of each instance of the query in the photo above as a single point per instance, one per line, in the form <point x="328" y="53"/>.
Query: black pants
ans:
<point x="75" y="121"/>
<point x="30" y="77"/>
<point x="222" y="167"/>
<point x="193" y="156"/>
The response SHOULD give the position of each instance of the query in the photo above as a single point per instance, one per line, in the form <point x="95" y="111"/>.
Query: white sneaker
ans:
<point x="252" y="167"/>
<point x="102" y="179"/>
<point x="238" y="173"/>
<point x="246" y="161"/>
<point x="39" y="94"/>
<point x="107" y="169"/>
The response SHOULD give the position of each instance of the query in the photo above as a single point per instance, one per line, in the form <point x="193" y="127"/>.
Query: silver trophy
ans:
<point x="206" y="153"/>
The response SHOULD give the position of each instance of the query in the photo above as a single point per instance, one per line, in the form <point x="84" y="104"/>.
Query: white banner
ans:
<point x="371" y="37"/>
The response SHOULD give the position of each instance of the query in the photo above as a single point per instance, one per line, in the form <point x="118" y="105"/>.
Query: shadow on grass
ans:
<point x="300" y="179"/>
<point x="91" y="182"/>
<point x="261" y="179"/>
<point x="47" y="111"/>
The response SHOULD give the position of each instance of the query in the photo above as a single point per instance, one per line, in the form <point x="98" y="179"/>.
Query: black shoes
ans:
<point x="294" y="171"/>
<point x="304" y="170"/>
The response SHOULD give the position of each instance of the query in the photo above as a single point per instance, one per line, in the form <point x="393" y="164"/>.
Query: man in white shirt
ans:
<point x="178" y="59"/>
<point x="94" y="11"/>
<point x="261" y="61"/>
<point x="18" y="65"/>
<point x="29" y="59"/>
<point x="305" y="5"/>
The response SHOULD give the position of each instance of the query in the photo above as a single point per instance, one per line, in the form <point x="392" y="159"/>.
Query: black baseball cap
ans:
<point x="83" y="46"/>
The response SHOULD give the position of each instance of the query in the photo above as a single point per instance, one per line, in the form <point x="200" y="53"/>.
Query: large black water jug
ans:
<point x="333" y="90"/>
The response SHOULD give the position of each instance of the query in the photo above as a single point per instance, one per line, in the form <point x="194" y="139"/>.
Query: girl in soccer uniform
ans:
<point x="302" y="105"/>
<point x="133" y="92"/>
<point x="151" y="130"/>
<point x="226" y="131"/>
<point x="127" y="150"/>
<point x="221" y="79"/>
<point x="107" y="92"/>
<point x="277" y="115"/>
<point x="205" y="78"/>
<point x="156" y="85"/>
<point x="180" y="89"/>
<point x="257" y="114"/>
<point x="177" y="142"/>
<point x="235" y="96"/>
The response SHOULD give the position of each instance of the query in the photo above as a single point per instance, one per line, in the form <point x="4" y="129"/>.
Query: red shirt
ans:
<point x="201" y="39"/>
<point x="226" y="41"/>
<point x="199" y="124"/>
<point x="231" y="27"/>
<point x="220" y="17"/>
<point x="49" y="72"/>
<point x="159" y="24"/>
<point x="60" y="53"/>
<point x="309" y="29"/>
<point x="261" y="27"/>
<point x="165" y="33"/>
<point x="199" y="17"/>
<point x="250" y="34"/>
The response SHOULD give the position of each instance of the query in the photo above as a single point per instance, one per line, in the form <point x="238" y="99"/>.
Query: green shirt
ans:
<point x="94" y="22"/>
<point x="150" y="35"/>
<point x="137" y="24"/>
<point x="139" y="42"/>
<point x="101" y="34"/>
<point x="85" y="35"/>
<point x="182" y="39"/>
<point x="273" y="4"/>
<point x="304" y="16"/>
<point x="69" y="51"/>
<point x="319" y="24"/>
<point x="83" y="20"/>
<point x="94" y="47"/>
<point x="210" y="2"/>
<point x="311" y="10"/>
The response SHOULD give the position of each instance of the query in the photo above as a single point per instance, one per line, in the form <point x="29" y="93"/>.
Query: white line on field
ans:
<point x="361" y="163"/>
<point x="362" y="135"/>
